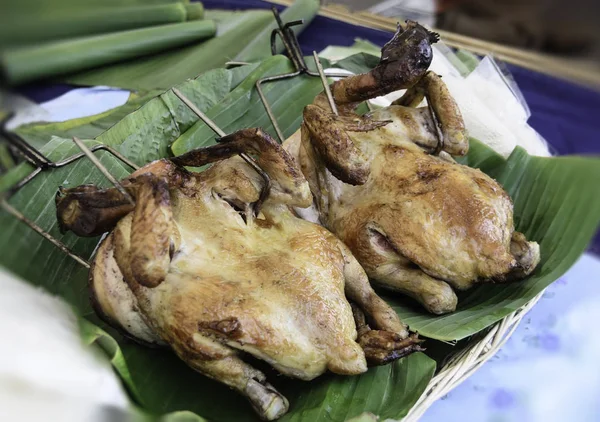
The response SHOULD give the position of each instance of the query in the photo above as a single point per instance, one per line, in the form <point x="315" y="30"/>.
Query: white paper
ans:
<point x="80" y="102"/>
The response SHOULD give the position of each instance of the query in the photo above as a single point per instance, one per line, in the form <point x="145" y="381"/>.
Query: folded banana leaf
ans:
<point x="241" y="36"/>
<point x="194" y="11"/>
<point x="555" y="204"/>
<point x="49" y="6"/>
<point x="63" y="24"/>
<point x="29" y="63"/>
<point x="162" y="71"/>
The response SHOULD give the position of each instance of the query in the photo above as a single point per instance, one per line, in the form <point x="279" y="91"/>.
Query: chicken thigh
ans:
<point x="418" y="223"/>
<point x="195" y="265"/>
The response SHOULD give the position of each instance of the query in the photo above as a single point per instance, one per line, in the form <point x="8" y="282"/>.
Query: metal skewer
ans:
<point x="264" y="193"/>
<point x="26" y="151"/>
<point x="212" y="125"/>
<point x="100" y="147"/>
<point x="57" y="164"/>
<point x="326" y="87"/>
<point x="294" y="52"/>
<point x="103" y="169"/>
<point x="41" y="164"/>
<point x="11" y="210"/>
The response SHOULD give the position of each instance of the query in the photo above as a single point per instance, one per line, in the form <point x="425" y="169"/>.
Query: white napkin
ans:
<point x="492" y="106"/>
<point x="46" y="373"/>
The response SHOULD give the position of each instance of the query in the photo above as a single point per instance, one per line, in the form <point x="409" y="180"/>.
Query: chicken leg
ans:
<point x="390" y="339"/>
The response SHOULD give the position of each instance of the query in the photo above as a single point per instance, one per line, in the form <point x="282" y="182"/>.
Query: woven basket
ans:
<point x="462" y="364"/>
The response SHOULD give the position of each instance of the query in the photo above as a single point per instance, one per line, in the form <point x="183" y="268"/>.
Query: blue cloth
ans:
<point x="40" y="92"/>
<point x="548" y="370"/>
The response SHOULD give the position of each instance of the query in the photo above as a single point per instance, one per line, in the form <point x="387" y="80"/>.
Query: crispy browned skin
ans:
<point x="417" y="223"/>
<point x="192" y="267"/>
<point x="403" y="60"/>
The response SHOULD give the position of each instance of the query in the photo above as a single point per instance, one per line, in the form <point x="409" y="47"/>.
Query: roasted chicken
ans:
<point x="418" y="223"/>
<point x="210" y="265"/>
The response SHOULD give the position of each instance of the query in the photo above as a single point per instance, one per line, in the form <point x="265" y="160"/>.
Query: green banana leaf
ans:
<point x="337" y="52"/>
<point x="215" y="84"/>
<point x="162" y="71"/>
<point x="243" y="108"/>
<point x="6" y="160"/>
<point x="194" y="11"/>
<point x="358" y="63"/>
<point x="94" y="20"/>
<point x="241" y="36"/>
<point x="157" y="380"/>
<point x="556" y="204"/>
<point x="38" y="8"/>
<point x="25" y="64"/>
<point x="206" y="90"/>
<point x="26" y="21"/>
<point x="39" y="133"/>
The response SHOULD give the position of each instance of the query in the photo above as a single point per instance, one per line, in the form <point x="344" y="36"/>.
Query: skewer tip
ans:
<point x="325" y="83"/>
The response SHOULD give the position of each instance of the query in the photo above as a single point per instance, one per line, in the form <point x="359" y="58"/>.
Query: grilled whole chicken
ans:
<point x="195" y="265"/>
<point x="418" y="223"/>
